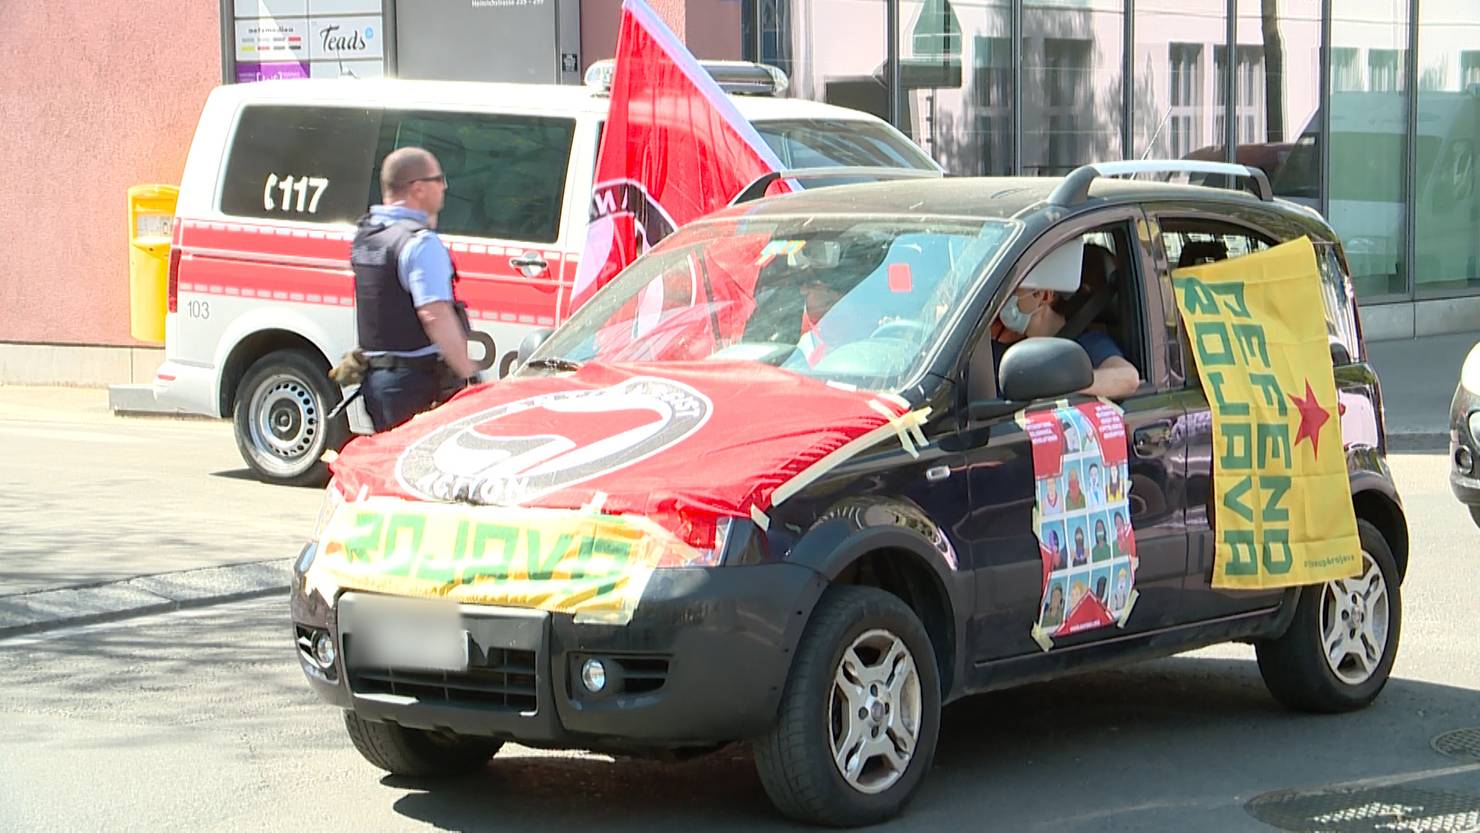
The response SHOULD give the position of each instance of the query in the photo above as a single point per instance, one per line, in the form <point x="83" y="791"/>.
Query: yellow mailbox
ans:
<point x="151" y="211"/>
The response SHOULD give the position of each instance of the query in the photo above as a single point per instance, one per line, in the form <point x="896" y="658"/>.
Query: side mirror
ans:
<point x="531" y="343"/>
<point x="1034" y="369"/>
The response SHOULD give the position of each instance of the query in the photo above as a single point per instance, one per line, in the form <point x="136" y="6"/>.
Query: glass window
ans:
<point x="1072" y="51"/>
<point x="956" y="82"/>
<point x="1446" y="199"/>
<point x="1279" y="90"/>
<point x="1369" y="127"/>
<point x="832" y="50"/>
<point x="505" y="173"/>
<point x="301" y="163"/>
<point x="1179" y="94"/>
<point x="821" y="143"/>
<point x="857" y="299"/>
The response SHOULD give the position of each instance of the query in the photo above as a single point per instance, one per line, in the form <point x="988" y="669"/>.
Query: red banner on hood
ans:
<point x="683" y="443"/>
<point x="674" y="149"/>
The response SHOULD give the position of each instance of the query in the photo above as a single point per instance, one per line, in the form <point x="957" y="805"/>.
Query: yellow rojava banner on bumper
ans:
<point x="1283" y="512"/>
<point x="560" y="560"/>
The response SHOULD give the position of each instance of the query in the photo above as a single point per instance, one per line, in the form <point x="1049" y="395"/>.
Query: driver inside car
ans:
<point x="1033" y="311"/>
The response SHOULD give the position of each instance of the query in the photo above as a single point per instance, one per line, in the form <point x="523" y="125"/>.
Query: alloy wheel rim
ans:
<point x="874" y="711"/>
<point x="1354" y="623"/>
<point x="284" y="422"/>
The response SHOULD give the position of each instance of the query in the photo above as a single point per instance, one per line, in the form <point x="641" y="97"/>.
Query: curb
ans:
<point x="45" y="610"/>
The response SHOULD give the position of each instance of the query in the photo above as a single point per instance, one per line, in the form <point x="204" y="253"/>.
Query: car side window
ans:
<point x="1189" y="243"/>
<point x="301" y="163"/>
<point x="505" y="173"/>
<point x="1107" y="314"/>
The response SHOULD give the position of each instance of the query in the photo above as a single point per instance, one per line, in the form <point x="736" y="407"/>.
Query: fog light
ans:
<point x="593" y="675"/>
<point x="1464" y="461"/>
<point x="323" y="650"/>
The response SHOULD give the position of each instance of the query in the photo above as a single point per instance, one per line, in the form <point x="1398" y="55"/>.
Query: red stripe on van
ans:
<point x="226" y="259"/>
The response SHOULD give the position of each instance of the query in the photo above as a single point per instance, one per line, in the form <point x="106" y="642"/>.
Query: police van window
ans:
<point x="822" y="143"/>
<point x="300" y="163"/>
<point x="505" y="173"/>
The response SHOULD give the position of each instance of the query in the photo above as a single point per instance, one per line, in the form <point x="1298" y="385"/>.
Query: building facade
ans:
<point x="1368" y="110"/>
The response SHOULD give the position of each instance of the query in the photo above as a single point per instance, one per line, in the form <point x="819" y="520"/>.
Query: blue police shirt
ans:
<point x="425" y="267"/>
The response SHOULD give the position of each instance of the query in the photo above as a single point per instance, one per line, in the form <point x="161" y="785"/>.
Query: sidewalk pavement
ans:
<point x="1418" y="380"/>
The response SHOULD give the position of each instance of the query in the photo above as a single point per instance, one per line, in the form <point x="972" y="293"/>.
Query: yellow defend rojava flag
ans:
<point x="1283" y="512"/>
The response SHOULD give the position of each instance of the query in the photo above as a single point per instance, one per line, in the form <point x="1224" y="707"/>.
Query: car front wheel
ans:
<point x="859" y="715"/>
<point x="1339" y="649"/>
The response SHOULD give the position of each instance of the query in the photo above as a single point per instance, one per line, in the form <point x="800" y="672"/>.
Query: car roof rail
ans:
<point x="758" y="186"/>
<point x="1075" y="188"/>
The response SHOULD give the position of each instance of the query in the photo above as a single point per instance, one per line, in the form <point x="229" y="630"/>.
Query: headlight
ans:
<point x="333" y="499"/>
<point x="681" y="555"/>
<point x="1469" y="375"/>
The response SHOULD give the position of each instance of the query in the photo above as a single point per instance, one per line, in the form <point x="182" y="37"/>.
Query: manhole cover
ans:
<point x="1372" y="810"/>
<point x="1460" y="743"/>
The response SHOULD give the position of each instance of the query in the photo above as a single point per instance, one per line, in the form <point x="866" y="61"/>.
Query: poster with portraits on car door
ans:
<point x="1082" y="521"/>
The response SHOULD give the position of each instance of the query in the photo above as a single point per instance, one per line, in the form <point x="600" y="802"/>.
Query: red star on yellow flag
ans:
<point x="1312" y="417"/>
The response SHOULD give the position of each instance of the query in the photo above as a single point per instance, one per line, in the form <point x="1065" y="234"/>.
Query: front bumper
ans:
<point x="1464" y="449"/>
<point x="703" y="661"/>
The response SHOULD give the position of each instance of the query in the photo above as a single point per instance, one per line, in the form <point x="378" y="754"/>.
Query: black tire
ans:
<point x="1294" y="666"/>
<point x="795" y="759"/>
<point x="279" y="417"/>
<point x="416" y="753"/>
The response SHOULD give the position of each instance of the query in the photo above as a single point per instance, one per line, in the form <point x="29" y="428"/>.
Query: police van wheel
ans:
<point x="859" y="715"/>
<point x="416" y="753"/>
<point x="1339" y="649"/>
<point x="282" y="430"/>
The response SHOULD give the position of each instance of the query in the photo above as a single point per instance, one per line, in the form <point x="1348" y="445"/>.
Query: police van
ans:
<point x="260" y="295"/>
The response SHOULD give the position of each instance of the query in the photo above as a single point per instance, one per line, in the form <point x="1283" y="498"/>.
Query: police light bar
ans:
<point x="739" y="77"/>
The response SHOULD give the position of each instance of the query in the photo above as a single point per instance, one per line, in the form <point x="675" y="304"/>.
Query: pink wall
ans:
<point x="710" y="28"/>
<point x="96" y="97"/>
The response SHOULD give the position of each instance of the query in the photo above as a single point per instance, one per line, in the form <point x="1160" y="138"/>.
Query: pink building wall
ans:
<point x="96" y="97"/>
<point x="710" y="28"/>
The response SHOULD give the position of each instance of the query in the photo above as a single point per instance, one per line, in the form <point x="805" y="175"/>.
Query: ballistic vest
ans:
<point x="384" y="312"/>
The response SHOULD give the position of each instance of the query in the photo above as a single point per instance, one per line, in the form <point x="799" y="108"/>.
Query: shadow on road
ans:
<point x="1144" y="748"/>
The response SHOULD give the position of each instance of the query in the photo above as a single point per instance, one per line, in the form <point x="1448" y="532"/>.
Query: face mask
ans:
<point x="1013" y="317"/>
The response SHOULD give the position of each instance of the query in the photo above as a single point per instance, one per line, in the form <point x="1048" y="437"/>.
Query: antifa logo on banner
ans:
<point x="510" y="454"/>
<point x="628" y="198"/>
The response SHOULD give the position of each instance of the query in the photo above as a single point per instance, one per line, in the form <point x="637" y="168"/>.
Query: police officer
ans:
<point x="409" y="325"/>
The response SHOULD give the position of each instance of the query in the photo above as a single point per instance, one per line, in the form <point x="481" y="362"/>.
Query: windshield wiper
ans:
<point x="554" y="363"/>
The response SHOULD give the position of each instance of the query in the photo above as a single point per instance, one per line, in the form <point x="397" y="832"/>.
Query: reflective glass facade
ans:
<point x="1368" y="110"/>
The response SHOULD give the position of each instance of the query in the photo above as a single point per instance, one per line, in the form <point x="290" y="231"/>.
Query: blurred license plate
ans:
<point x="432" y="640"/>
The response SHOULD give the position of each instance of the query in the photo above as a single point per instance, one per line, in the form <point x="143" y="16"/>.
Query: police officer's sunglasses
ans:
<point x="442" y="178"/>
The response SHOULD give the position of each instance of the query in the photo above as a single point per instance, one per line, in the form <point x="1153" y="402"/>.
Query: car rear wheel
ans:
<point x="417" y="753"/>
<point x="1339" y="649"/>
<point x="282" y="429"/>
<point x="859" y="716"/>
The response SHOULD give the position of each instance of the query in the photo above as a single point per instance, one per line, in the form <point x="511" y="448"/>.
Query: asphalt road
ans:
<point x="88" y="497"/>
<point x="199" y="720"/>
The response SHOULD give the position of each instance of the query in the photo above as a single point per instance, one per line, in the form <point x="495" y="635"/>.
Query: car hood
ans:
<point x="683" y="444"/>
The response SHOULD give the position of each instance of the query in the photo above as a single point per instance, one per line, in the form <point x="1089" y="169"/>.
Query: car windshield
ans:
<point x="822" y="143"/>
<point x="856" y="299"/>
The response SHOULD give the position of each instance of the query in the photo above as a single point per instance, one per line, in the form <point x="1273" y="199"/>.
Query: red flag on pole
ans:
<point x="674" y="149"/>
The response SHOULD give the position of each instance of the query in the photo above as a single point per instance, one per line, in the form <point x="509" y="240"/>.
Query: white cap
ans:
<point x="1059" y="271"/>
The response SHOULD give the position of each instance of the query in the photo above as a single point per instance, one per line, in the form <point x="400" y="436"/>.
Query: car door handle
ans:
<point x="1151" y="440"/>
<point x="529" y="264"/>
